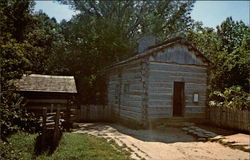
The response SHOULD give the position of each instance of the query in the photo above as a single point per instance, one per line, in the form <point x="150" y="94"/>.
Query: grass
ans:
<point x="72" y="147"/>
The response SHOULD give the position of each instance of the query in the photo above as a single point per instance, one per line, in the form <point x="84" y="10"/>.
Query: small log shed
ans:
<point x="164" y="80"/>
<point x="48" y="91"/>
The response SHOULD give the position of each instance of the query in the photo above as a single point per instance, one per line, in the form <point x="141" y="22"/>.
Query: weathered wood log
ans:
<point x="177" y="67"/>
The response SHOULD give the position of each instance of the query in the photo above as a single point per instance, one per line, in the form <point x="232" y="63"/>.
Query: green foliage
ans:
<point x="15" y="21"/>
<point x="230" y="69"/>
<point x="232" y="60"/>
<point x="204" y="38"/>
<point x="13" y="118"/>
<point x="72" y="146"/>
<point x="105" y="32"/>
<point x="44" y="38"/>
<point x="20" y="147"/>
<point x="160" y="18"/>
<point x="229" y="51"/>
<point x="233" y="97"/>
<point x="231" y="34"/>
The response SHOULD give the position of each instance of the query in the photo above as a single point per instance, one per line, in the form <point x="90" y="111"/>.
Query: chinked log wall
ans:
<point x="230" y="118"/>
<point x="129" y="104"/>
<point x="160" y="89"/>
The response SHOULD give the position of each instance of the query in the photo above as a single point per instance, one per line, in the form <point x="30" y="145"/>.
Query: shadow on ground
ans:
<point x="166" y="135"/>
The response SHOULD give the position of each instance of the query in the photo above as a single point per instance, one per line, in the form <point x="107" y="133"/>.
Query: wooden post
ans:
<point x="68" y="113"/>
<point x="51" y="108"/>
<point x="44" y="118"/>
<point x="43" y="136"/>
<point x="57" y="120"/>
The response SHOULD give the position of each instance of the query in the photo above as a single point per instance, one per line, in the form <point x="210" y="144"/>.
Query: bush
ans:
<point x="233" y="97"/>
<point x="13" y="118"/>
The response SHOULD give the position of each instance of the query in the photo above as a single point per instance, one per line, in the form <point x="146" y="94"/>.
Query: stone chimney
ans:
<point x="145" y="42"/>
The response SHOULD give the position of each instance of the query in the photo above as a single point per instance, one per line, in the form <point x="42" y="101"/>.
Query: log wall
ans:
<point x="143" y="89"/>
<point x="161" y="80"/>
<point x="125" y="91"/>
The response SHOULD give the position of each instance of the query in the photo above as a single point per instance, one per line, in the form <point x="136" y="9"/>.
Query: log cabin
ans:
<point x="48" y="91"/>
<point x="161" y="81"/>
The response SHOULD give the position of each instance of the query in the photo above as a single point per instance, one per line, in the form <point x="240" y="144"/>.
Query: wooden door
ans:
<point x="178" y="104"/>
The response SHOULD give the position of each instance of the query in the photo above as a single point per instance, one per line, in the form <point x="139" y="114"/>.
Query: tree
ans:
<point x="232" y="61"/>
<point x="229" y="51"/>
<point x="232" y="34"/>
<point x="17" y="50"/>
<point x="160" y="18"/>
<point x="105" y="32"/>
<point x="204" y="38"/>
<point x="44" y="37"/>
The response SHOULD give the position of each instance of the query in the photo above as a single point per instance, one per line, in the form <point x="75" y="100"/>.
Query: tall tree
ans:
<point x="25" y="42"/>
<point x="228" y="49"/>
<point x="232" y="34"/>
<point x="160" y="18"/>
<point x="44" y="37"/>
<point x="105" y="32"/>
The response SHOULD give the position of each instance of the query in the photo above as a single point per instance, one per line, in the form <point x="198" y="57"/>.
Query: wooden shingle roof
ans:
<point x="47" y="83"/>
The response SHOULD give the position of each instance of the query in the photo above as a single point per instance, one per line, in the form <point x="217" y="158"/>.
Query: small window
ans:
<point x="126" y="88"/>
<point x="196" y="97"/>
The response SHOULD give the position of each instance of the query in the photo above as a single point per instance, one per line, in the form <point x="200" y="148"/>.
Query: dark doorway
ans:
<point x="178" y="104"/>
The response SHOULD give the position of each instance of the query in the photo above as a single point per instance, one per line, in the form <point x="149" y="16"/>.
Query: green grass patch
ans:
<point x="72" y="147"/>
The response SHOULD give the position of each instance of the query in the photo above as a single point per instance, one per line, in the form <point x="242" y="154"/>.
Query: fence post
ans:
<point x="57" y="119"/>
<point x="44" y="118"/>
<point x="51" y="108"/>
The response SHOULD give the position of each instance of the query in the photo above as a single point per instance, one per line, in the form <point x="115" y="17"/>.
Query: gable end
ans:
<point x="180" y="54"/>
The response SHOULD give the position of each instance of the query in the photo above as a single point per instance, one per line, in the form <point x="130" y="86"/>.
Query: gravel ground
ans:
<point x="165" y="144"/>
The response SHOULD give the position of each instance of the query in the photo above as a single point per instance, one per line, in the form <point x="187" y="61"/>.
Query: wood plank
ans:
<point x="195" y="115"/>
<point x="132" y="108"/>
<point x="159" y="103"/>
<point x="195" y="109"/>
<point x="132" y="103"/>
<point x="40" y="107"/>
<point x="130" y="114"/>
<point x="159" y="110"/>
<point x="196" y="86"/>
<point x="176" y="67"/>
<point x="178" y="54"/>
<point x="164" y="84"/>
<point x="152" y="117"/>
<point x="160" y="94"/>
<point x="172" y="79"/>
<point x="194" y="106"/>
<point x="177" y="74"/>
<point x="189" y="92"/>
<point x="47" y="100"/>
<point x="160" y="90"/>
<point x="131" y="98"/>
<point x="200" y="103"/>
<point x="165" y="71"/>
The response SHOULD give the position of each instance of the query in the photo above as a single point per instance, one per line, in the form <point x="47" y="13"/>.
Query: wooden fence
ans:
<point x="94" y="113"/>
<point x="230" y="118"/>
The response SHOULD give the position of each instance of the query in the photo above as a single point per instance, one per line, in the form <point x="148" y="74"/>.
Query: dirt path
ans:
<point x="167" y="144"/>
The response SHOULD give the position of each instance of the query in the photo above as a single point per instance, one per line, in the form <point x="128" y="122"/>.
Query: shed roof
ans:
<point x="160" y="46"/>
<point x="47" y="83"/>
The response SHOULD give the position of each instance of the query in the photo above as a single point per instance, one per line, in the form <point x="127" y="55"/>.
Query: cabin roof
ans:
<point x="46" y="83"/>
<point x="160" y="46"/>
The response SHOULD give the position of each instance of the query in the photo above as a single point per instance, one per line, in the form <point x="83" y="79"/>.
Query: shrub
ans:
<point x="233" y="97"/>
<point x="13" y="118"/>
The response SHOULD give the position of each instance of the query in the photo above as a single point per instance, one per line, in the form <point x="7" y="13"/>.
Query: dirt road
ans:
<point x="167" y="144"/>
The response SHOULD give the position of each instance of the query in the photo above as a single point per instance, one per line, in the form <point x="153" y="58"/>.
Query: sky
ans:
<point x="211" y="13"/>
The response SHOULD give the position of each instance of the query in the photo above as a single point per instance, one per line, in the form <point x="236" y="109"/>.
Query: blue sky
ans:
<point x="211" y="13"/>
